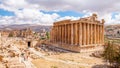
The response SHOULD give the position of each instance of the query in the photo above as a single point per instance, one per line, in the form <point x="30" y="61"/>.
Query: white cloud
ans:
<point x="28" y="11"/>
<point x="68" y="17"/>
<point x="78" y="5"/>
<point x="29" y="16"/>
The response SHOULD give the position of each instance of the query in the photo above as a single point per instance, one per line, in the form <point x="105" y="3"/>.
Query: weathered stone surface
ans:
<point x="77" y="34"/>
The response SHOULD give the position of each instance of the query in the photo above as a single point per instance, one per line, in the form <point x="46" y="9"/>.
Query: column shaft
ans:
<point x="95" y="33"/>
<point x="76" y="34"/>
<point x="103" y="33"/>
<point x="80" y="33"/>
<point x="87" y="34"/>
<point x="72" y="34"/>
<point x="90" y="33"/>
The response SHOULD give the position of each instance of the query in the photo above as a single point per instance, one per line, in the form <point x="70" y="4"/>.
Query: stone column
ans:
<point x="72" y="34"/>
<point x="84" y="33"/>
<point x="88" y="30"/>
<point x="69" y="33"/>
<point x="76" y="35"/>
<point x="90" y="33"/>
<point x="65" y="33"/>
<point x="98" y="34"/>
<point x="103" y="33"/>
<point x="95" y="32"/>
<point x="56" y="33"/>
<point x="87" y="34"/>
<point x="80" y="33"/>
<point x="60" y="34"/>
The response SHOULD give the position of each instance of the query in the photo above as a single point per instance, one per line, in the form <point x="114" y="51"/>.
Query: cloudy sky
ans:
<point x="45" y="12"/>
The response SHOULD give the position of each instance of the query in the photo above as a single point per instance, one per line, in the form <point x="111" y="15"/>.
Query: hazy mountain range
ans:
<point x="36" y="28"/>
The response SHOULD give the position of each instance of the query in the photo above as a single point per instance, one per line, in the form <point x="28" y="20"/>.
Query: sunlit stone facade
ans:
<point x="78" y="33"/>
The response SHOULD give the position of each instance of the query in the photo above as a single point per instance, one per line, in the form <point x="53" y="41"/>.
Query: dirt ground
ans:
<point x="81" y="60"/>
<point x="41" y="63"/>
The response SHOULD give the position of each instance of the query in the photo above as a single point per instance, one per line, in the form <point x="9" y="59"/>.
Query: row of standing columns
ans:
<point x="79" y="33"/>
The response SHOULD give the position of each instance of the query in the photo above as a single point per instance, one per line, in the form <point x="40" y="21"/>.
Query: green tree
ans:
<point x="110" y="53"/>
<point x="10" y="35"/>
<point x="118" y="58"/>
<point x="48" y="35"/>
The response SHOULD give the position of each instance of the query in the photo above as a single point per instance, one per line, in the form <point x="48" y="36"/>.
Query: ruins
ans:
<point x="79" y="34"/>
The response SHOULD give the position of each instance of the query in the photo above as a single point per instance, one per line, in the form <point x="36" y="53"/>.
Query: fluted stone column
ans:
<point x="90" y="33"/>
<point x="60" y="34"/>
<point x="93" y="25"/>
<point x="95" y="32"/>
<point x="103" y="33"/>
<point x="87" y="34"/>
<point x="72" y="34"/>
<point x="69" y="33"/>
<point x="51" y="36"/>
<point x="84" y="32"/>
<point x="56" y="33"/>
<point x="65" y="33"/>
<point x="76" y="35"/>
<point x="80" y="33"/>
<point x="98" y="34"/>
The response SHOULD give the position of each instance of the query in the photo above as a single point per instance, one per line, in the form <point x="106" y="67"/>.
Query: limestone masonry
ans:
<point x="77" y="34"/>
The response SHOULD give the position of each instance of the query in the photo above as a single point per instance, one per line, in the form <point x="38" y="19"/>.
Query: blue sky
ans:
<point x="65" y="13"/>
<point x="6" y="13"/>
<point x="46" y="12"/>
<point x="61" y="13"/>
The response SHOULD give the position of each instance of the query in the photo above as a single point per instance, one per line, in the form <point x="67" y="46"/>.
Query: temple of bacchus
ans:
<point x="78" y="34"/>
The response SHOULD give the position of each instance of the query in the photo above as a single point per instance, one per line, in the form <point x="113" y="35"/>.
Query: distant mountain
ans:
<point x="36" y="28"/>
